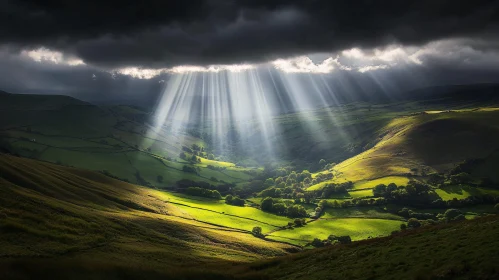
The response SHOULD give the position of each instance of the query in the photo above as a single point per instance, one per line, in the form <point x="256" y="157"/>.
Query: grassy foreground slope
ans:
<point x="465" y="250"/>
<point x="54" y="212"/>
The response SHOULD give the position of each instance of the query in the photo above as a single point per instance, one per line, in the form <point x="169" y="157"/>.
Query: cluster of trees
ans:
<point x="234" y="200"/>
<point x="192" y="158"/>
<point x="331" y="240"/>
<point x="414" y="192"/>
<point x="183" y="184"/>
<point x="197" y="151"/>
<point x="299" y="195"/>
<point x="460" y="178"/>
<point x="324" y="204"/>
<point x="331" y="190"/>
<point x="218" y="168"/>
<point x="449" y="215"/>
<point x="275" y="206"/>
<point x="197" y="191"/>
<point x="293" y="179"/>
<point x="189" y="169"/>
<point x="323" y="165"/>
<point x="408" y="213"/>
<point x="469" y="201"/>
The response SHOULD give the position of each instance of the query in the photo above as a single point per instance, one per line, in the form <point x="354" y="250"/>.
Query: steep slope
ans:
<point x="49" y="211"/>
<point x="426" y="142"/>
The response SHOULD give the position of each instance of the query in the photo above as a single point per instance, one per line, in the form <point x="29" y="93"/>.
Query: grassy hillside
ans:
<point x="49" y="211"/>
<point x="466" y="250"/>
<point x="114" y="139"/>
<point x="419" y="144"/>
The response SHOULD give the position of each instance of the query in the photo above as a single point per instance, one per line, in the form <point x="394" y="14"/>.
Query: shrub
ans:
<point x="317" y="243"/>
<point x="234" y="200"/>
<point x="299" y="222"/>
<point x="451" y="214"/>
<point x="461" y="178"/>
<point x="257" y="231"/>
<point x="413" y="223"/>
<point x="189" y="169"/>
<point x="345" y="239"/>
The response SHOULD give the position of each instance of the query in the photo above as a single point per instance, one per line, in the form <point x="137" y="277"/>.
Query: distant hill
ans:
<point x="12" y="102"/>
<point x="114" y="139"/>
<point x="478" y="92"/>
<point x="427" y="142"/>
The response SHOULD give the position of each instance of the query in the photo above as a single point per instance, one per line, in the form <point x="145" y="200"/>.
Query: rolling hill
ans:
<point x="428" y="142"/>
<point x="60" y="222"/>
<point x="50" y="211"/>
<point x="113" y="139"/>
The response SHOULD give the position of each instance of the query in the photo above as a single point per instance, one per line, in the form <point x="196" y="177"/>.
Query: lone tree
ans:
<point x="257" y="231"/>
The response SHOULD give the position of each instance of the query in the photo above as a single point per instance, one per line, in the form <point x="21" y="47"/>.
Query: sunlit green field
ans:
<point x="356" y="228"/>
<point x="223" y="214"/>
<point x="461" y="192"/>
<point x="369" y="184"/>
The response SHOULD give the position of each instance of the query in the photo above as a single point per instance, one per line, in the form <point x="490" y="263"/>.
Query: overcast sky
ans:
<point x="126" y="50"/>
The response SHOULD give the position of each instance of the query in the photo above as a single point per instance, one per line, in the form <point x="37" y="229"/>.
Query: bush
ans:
<point x="345" y="239"/>
<point x="299" y="222"/>
<point x="413" y="223"/>
<point x="234" y="200"/>
<point x="189" y="169"/>
<point x="451" y="214"/>
<point x="461" y="178"/>
<point x="257" y="231"/>
<point x="317" y="243"/>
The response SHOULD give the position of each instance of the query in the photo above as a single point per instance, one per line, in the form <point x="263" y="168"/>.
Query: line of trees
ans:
<point x="197" y="191"/>
<point x="234" y="200"/>
<point x="275" y="206"/>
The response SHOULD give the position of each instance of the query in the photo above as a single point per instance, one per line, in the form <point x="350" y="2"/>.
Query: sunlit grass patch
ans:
<point x="359" y="212"/>
<point x="222" y="208"/>
<point x="462" y="192"/>
<point x="361" y="193"/>
<point x="356" y="228"/>
<point x="369" y="184"/>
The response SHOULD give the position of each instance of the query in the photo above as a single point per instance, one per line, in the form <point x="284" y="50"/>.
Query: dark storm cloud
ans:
<point x="166" y="33"/>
